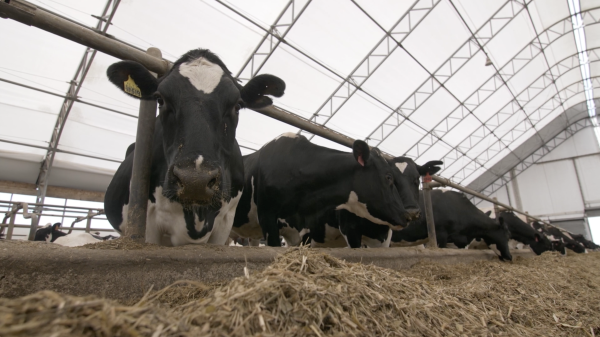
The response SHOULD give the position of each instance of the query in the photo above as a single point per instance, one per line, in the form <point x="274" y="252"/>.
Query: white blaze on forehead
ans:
<point x="203" y="75"/>
<point x="401" y="166"/>
<point x="199" y="161"/>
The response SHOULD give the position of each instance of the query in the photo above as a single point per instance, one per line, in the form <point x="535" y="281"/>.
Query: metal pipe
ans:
<point x="142" y="163"/>
<point x="47" y="205"/>
<point x="31" y="15"/>
<point x="429" y="212"/>
<point x="11" y="224"/>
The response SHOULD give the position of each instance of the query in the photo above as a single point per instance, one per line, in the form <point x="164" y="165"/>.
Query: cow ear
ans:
<point x="56" y="226"/>
<point x="255" y="91"/>
<point x="430" y="167"/>
<point x="361" y="152"/>
<point x="488" y="213"/>
<point x="133" y="79"/>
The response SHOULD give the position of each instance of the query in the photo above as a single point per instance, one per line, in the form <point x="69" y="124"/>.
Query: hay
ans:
<point x="121" y="243"/>
<point x="306" y="293"/>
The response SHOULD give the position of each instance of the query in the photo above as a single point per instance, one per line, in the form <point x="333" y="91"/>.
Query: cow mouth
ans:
<point x="189" y="199"/>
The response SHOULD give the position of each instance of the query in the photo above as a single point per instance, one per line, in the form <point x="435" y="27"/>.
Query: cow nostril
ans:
<point x="212" y="183"/>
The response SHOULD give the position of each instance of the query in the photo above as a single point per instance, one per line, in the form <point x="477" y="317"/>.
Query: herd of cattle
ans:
<point x="202" y="190"/>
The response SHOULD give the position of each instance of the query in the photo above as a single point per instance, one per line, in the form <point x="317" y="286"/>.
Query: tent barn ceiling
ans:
<point x="465" y="81"/>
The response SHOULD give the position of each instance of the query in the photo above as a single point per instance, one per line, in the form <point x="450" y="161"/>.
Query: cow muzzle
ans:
<point x="413" y="214"/>
<point x="196" y="186"/>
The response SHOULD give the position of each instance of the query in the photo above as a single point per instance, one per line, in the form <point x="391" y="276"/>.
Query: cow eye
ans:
<point x="389" y="179"/>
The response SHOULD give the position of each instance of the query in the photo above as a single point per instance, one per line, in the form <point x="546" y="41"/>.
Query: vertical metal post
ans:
<point x="88" y="224"/>
<point x="11" y="224"/>
<point x="496" y="208"/>
<point x="142" y="161"/>
<point x="429" y="212"/>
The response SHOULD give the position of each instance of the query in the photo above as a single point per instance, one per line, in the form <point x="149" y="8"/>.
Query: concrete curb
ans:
<point x="27" y="267"/>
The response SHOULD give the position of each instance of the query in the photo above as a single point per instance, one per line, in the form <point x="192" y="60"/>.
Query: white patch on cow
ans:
<point x="251" y="229"/>
<point x="203" y="74"/>
<point x="333" y="239"/>
<point x="290" y="234"/>
<point x="76" y="240"/>
<point x="287" y="135"/>
<point x="374" y="243"/>
<point x="224" y="220"/>
<point x="404" y="243"/>
<point x="199" y="161"/>
<point x="401" y="167"/>
<point x="360" y="209"/>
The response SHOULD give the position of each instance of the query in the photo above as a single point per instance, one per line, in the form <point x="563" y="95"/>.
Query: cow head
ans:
<point x="407" y="178"/>
<point x="49" y="233"/>
<point x="500" y="238"/>
<point x="538" y="242"/>
<point x="374" y="181"/>
<point x="199" y="102"/>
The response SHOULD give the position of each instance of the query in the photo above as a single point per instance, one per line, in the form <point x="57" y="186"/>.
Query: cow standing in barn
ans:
<point x="291" y="177"/>
<point x="197" y="173"/>
<point x="457" y="221"/>
<point x="560" y="238"/>
<point x="524" y="233"/>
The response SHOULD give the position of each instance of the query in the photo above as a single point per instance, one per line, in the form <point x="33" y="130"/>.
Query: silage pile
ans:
<point x="306" y="293"/>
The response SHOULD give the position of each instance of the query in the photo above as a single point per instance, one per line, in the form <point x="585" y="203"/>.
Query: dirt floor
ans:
<point x="305" y="292"/>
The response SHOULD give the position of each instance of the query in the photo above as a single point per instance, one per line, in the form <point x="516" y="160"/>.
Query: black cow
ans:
<point x="457" y="221"/>
<point x="560" y="238"/>
<point x="292" y="177"/>
<point x="49" y="233"/>
<point x="524" y="233"/>
<point x="197" y="173"/>
<point x="585" y="242"/>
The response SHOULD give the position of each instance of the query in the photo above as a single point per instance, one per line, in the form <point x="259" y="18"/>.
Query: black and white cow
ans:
<point x="49" y="233"/>
<point x="197" y="173"/>
<point x="291" y="177"/>
<point x="585" y="242"/>
<point x="457" y="221"/>
<point x="524" y="233"/>
<point x="560" y="238"/>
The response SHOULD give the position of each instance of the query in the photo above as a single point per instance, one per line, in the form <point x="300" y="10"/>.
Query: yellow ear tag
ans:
<point x="131" y="88"/>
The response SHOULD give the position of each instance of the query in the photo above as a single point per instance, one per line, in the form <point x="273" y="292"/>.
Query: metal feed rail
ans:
<point x="29" y="14"/>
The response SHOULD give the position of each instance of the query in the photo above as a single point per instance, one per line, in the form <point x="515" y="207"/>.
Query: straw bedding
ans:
<point x="307" y="293"/>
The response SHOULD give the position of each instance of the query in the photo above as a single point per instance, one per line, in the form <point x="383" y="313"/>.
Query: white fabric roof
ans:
<point x="408" y="76"/>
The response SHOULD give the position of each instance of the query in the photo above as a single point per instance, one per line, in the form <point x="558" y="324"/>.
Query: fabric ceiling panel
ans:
<point x="595" y="69"/>
<point x="307" y="85"/>
<point x="514" y="37"/>
<point x="483" y="144"/>
<point x="95" y="141"/>
<point x="402" y="139"/>
<point x="102" y="119"/>
<point x="359" y="116"/>
<point x="549" y="12"/>
<point x="462" y="129"/>
<point x="528" y="74"/>
<point x="208" y="25"/>
<point x="470" y="77"/>
<point x="386" y="12"/>
<point x="26" y="125"/>
<point x="79" y="163"/>
<point x="570" y="77"/>
<point x="493" y="104"/>
<point x="592" y="34"/>
<point x="477" y="12"/>
<point x="254" y="129"/>
<point x="327" y="143"/>
<point x="438" y="36"/>
<point x="539" y="99"/>
<point x="263" y="12"/>
<point x="588" y="4"/>
<point x="339" y="41"/>
<point x="19" y="152"/>
<point x="561" y="48"/>
<point x="435" y="152"/>
<point x="77" y="10"/>
<point x="473" y="175"/>
<point x="390" y="81"/>
<point x="434" y="109"/>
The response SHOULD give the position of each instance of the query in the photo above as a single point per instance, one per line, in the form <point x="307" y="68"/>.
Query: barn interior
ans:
<point x="503" y="92"/>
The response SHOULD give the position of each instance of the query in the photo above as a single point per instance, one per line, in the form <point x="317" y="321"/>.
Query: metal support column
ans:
<point x="429" y="212"/>
<point x="142" y="162"/>
<point x="88" y="224"/>
<point x="11" y="224"/>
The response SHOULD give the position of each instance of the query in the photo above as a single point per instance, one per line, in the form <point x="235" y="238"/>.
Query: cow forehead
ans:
<point x="202" y="74"/>
<point x="401" y="166"/>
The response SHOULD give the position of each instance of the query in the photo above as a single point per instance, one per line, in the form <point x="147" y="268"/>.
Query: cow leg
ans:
<point x="442" y="239"/>
<point x="353" y="238"/>
<point x="271" y="229"/>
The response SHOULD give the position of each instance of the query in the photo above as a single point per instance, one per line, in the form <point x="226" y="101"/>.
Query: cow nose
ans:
<point x="413" y="214"/>
<point x="196" y="186"/>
